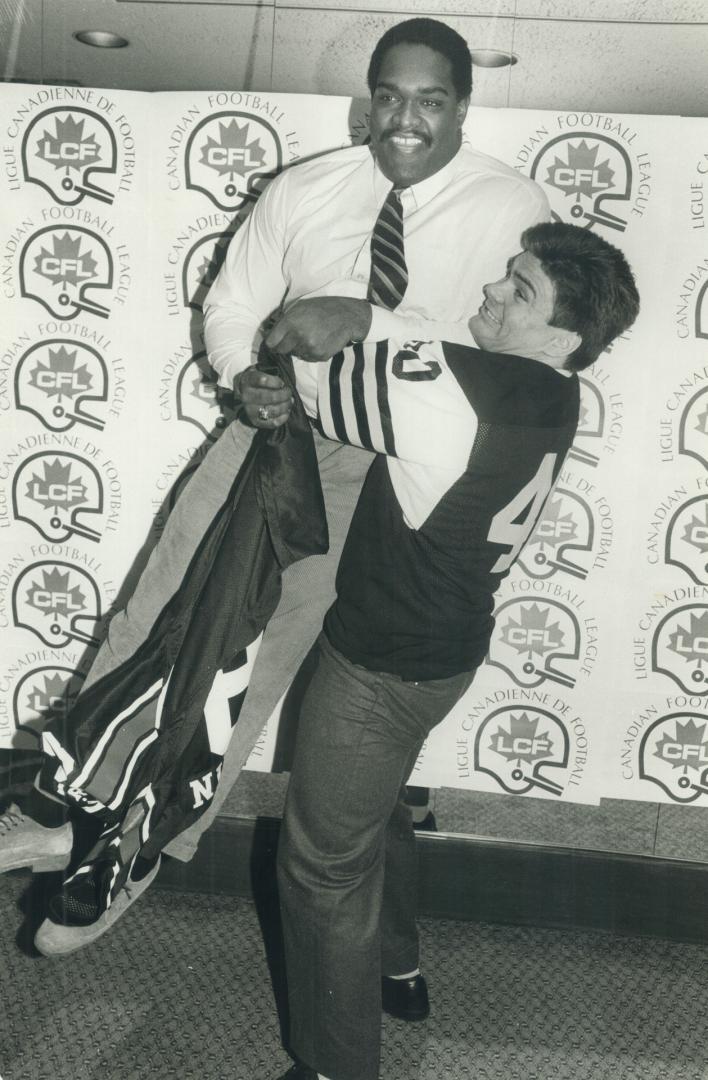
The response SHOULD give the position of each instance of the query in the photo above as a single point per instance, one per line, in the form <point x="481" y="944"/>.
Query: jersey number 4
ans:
<point x="512" y="525"/>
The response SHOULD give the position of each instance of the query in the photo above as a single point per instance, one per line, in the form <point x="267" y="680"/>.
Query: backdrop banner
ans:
<point x="117" y="209"/>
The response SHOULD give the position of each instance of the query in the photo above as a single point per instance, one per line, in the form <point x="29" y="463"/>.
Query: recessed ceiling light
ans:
<point x="101" y="39"/>
<point x="493" y="58"/>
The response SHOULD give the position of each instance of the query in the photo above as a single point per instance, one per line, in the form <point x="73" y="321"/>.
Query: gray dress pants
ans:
<point x="347" y="859"/>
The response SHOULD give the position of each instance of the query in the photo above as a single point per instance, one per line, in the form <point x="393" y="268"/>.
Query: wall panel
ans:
<point x="605" y="67"/>
<point x="338" y="45"/>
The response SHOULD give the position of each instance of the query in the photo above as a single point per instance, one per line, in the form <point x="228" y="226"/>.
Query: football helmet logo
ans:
<point x="693" y="428"/>
<point x="531" y="638"/>
<point x="201" y="265"/>
<point x="64" y="149"/>
<point x="673" y="753"/>
<point x="591" y="424"/>
<point x="518" y="748"/>
<point x="228" y="157"/>
<point x="200" y="400"/>
<point x="44" y="695"/>
<point x="58" y="602"/>
<point x="564" y="527"/>
<point x="59" y="381"/>
<point x="62" y="267"/>
<point x="55" y="493"/>
<point x="701" y="322"/>
<point x="687" y="539"/>
<point x="680" y="647"/>
<point x="586" y="178"/>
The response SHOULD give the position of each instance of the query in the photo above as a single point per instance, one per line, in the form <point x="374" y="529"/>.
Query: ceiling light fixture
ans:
<point x="493" y="58"/>
<point x="101" y="39"/>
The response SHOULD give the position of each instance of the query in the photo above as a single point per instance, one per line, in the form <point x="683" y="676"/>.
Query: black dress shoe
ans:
<point x="406" y="999"/>
<point x="428" y="824"/>
<point x="299" y="1072"/>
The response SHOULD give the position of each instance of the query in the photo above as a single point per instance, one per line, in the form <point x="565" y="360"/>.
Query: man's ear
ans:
<point x="463" y="105"/>
<point x="562" y="344"/>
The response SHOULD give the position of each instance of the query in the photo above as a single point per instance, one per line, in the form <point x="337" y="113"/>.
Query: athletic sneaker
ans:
<point x="23" y="842"/>
<point x="55" y="939"/>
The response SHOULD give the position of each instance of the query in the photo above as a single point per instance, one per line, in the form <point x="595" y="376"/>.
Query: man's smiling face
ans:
<point x="517" y="312"/>
<point x="415" y="114"/>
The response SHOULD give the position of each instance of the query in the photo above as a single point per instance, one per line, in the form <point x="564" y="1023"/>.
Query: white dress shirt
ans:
<point x="310" y="232"/>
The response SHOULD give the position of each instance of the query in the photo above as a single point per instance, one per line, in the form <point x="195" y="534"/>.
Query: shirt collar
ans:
<point x="417" y="195"/>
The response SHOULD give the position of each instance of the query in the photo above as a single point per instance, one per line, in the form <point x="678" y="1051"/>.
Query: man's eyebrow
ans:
<point x="424" y="90"/>
<point x="511" y="269"/>
<point x="434" y="90"/>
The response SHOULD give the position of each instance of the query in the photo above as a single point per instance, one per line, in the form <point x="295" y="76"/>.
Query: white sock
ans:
<point x="408" y="975"/>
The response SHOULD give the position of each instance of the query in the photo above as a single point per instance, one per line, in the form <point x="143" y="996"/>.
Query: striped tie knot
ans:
<point x="389" y="273"/>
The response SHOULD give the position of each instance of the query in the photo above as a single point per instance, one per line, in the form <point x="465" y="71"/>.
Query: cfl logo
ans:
<point x="63" y="267"/>
<point x="233" y="157"/>
<point x="572" y="178"/>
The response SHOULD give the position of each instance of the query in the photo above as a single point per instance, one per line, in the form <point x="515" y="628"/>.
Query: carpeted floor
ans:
<point x="181" y="988"/>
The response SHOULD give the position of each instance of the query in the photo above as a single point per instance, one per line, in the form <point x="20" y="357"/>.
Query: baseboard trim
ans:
<point x="487" y="881"/>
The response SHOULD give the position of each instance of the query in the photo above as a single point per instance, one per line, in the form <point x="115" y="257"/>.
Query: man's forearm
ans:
<point x="400" y="326"/>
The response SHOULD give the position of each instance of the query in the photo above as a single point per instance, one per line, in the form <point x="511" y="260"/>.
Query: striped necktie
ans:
<point x="389" y="273"/>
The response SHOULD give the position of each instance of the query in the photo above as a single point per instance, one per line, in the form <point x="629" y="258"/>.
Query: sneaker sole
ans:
<point x="44" y="865"/>
<point x="50" y="863"/>
<point x="53" y="939"/>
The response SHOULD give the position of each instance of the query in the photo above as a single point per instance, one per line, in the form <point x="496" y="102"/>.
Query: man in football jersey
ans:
<point x="474" y="450"/>
<point x="306" y="248"/>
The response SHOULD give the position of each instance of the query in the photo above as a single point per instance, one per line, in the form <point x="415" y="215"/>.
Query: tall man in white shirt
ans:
<point x="308" y="245"/>
<point x="305" y="253"/>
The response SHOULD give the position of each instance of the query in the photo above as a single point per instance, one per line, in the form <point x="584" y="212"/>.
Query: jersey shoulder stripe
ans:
<point x="358" y="398"/>
<point x="384" y="407"/>
<point x="353" y="404"/>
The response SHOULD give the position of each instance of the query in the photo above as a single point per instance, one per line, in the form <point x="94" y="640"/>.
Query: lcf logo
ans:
<point x="228" y="154"/>
<point x="519" y="750"/>
<point x="680" y="648"/>
<point x="60" y="495"/>
<point x="686" y="542"/>
<point x="64" y="150"/>
<point x="62" y="268"/>
<point x="43" y="695"/>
